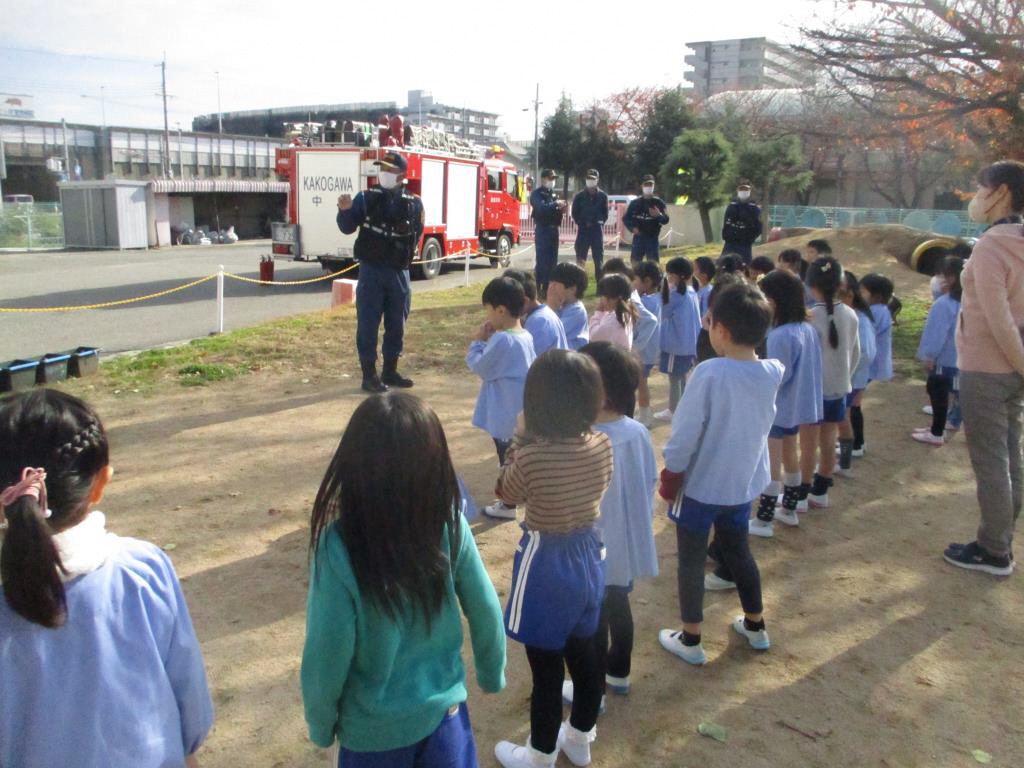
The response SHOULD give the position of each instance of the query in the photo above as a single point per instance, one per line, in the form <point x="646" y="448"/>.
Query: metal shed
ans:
<point x="104" y="214"/>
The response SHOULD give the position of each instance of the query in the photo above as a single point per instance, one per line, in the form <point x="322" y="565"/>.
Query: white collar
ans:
<point x="85" y="547"/>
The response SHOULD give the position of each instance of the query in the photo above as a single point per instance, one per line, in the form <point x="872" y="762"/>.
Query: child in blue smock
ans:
<point x="799" y="403"/>
<point x="501" y="354"/>
<point x="704" y="270"/>
<point x="877" y="291"/>
<point x="542" y="322"/>
<point x="937" y="351"/>
<point x="627" y="511"/>
<point x="851" y="431"/>
<point x="716" y="463"/>
<point x="680" y="325"/>
<point x="394" y="568"/>
<point x="99" y="664"/>
<point x="565" y="296"/>
<point x="648" y="285"/>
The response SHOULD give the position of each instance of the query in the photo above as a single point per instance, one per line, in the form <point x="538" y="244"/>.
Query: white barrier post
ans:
<point x="466" y="259"/>
<point x="220" y="299"/>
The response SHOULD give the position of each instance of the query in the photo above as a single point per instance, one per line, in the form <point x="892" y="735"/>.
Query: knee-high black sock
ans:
<point x="857" y="422"/>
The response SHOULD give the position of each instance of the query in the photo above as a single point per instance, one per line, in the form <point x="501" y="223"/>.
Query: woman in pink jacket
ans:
<point x="991" y="356"/>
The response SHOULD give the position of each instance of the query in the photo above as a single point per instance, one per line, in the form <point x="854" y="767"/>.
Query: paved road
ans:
<point x="89" y="277"/>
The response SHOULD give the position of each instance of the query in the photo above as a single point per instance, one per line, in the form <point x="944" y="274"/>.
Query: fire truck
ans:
<point x="471" y="195"/>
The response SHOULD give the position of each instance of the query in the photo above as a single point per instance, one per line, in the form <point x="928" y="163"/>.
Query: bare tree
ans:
<point x="954" y="65"/>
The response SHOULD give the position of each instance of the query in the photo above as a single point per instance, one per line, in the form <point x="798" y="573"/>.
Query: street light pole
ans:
<point x="167" y="130"/>
<point x="220" y="121"/>
<point x="536" y="143"/>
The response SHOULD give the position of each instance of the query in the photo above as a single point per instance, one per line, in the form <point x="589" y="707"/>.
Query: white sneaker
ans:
<point x="928" y="410"/>
<point x="758" y="639"/>
<point x="759" y="527"/>
<point x="576" y="744"/>
<point x="617" y="685"/>
<point x="858" y="453"/>
<point x="847" y="473"/>
<point x="672" y="641"/>
<point x="645" y="415"/>
<point x="928" y="438"/>
<point x="817" y="502"/>
<point x="517" y="756"/>
<point x="801" y="506"/>
<point x="786" y="517"/>
<point x="499" y="510"/>
<point x="665" y="415"/>
<point x="567" y="693"/>
<point x="716" y="583"/>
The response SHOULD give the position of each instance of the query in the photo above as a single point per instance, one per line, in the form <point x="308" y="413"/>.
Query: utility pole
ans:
<point x="3" y="170"/>
<point x="181" y="164"/>
<point x="220" y="121"/>
<point x="167" y="131"/>
<point x="67" y="154"/>
<point x="536" y="142"/>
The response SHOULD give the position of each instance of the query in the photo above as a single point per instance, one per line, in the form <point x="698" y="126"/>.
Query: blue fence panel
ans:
<point x="949" y="223"/>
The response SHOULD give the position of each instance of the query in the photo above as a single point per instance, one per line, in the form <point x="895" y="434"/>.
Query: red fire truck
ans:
<point x="470" y="199"/>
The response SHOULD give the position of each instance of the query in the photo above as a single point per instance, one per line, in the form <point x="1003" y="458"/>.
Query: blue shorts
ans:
<point x="449" y="746"/>
<point x="852" y="397"/>
<point x="834" y="410"/>
<point x="676" y="364"/>
<point x="698" y="517"/>
<point x="777" y="433"/>
<point x="557" y="588"/>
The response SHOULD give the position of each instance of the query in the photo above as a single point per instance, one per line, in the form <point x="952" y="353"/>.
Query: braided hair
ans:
<point x="62" y="435"/>
<point x="825" y="275"/>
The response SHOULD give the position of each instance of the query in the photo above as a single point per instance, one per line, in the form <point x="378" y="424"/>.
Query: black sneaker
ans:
<point x="974" y="558"/>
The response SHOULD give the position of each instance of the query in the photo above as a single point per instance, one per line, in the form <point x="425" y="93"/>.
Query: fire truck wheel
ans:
<point x="430" y="266"/>
<point x="504" y="257"/>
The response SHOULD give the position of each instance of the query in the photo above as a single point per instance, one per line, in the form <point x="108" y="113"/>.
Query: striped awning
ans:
<point x="198" y="186"/>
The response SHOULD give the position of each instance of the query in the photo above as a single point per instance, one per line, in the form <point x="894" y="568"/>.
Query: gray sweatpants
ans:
<point x="993" y="411"/>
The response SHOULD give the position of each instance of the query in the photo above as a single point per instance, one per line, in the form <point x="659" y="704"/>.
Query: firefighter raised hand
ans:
<point x="344" y="202"/>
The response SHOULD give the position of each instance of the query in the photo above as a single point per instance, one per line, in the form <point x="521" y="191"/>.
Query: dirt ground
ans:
<point x="882" y="655"/>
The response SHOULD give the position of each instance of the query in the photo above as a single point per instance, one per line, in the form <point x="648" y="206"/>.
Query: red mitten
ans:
<point x="670" y="484"/>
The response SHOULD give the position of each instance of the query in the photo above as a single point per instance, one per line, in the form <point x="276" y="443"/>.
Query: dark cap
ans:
<point x="743" y="185"/>
<point x="547" y="173"/>
<point x="392" y="161"/>
<point x="593" y="174"/>
<point x="647" y="179"/>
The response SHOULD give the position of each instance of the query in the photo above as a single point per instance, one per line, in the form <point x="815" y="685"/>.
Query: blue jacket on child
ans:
<point x="866" y="333"/>
<point x="576" y="324"/>
<point x="938" y="341"/>
<point x="680" y="323"/>
<point x="546" y="329"/>
<point x="502" y="363"/>
<point x="651" y="351"/>
<point x="800" y="399"/>
<point x="881" y="368"/>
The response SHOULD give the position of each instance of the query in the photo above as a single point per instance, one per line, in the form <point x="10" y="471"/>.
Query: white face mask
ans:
<point x="549" y="183"/>
<point x="649" y="191"/>
<point x="978" y="209"/>
<point x="591" y="183"/>
<point x="387" y="180"/>
<point x="743" y="195"/>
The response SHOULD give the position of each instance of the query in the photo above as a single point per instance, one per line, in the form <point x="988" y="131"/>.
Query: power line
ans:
<point x="95" y="57"/>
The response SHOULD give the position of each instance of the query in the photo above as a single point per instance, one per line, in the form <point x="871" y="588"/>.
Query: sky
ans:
<point x="478" y="54"/>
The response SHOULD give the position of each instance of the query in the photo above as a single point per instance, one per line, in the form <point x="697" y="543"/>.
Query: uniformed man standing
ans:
<point x="547" y="217"/>
<point x="742" y="224"/>
<point x="644" y="218"/>
<point x="390" y="223"/>
<point x="590" y="212"/>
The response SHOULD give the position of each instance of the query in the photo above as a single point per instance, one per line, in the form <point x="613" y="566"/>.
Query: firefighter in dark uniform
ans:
<point x="742" y="224"/>
<point x="590" y="212"/>
<point x="547" y="217"/>
<point x="644" y="218"/>
<point x="390" y="222"/>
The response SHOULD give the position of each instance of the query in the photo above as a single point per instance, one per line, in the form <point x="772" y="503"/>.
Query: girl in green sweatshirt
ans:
<point x="393" y="562"/>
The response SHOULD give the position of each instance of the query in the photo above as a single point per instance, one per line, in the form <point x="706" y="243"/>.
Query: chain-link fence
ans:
<point x="949" y="223"/>
<point x="31" y="226"/>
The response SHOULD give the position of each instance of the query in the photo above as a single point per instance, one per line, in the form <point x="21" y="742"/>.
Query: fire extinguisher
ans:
<point x="267" y="269"/>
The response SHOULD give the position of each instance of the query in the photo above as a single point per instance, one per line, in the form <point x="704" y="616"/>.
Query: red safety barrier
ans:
<point x="567" y="231"/>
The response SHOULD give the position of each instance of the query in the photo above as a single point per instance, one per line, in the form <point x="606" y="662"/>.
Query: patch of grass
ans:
<point x="201" y="374"/>
<point x="907" y="334"/>
<point x="692" y="251"/>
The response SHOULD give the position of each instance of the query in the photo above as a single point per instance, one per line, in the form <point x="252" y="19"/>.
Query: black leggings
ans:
<point x="732" y="550"/>
<point x="502" y="447"/>
<point x="548" y="667"/>
<point x="857" y="423"/>
<point x="939" y="389"/>
<point x="617" y="622"/>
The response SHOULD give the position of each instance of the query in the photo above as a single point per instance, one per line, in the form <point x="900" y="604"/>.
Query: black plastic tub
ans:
<point x="85" y="361"/>
<point x="53" y="366"/>
<point x="17" y="375"/>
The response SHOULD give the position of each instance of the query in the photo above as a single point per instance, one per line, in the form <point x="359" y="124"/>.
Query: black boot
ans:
<point x="371" y="382"/>
<point x="391" y="376"/>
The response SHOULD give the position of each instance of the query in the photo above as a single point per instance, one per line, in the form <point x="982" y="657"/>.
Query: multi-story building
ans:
<point x="744" y="64"/>
<point x="470" y="124"/>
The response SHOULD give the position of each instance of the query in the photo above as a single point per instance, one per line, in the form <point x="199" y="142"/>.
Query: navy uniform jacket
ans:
<point x="545" y="207"/>
<point x="742" y="223"/>
<point x="350" y="220"/>
<point x="637" y="216"/>
<point x="590" y="208"/>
